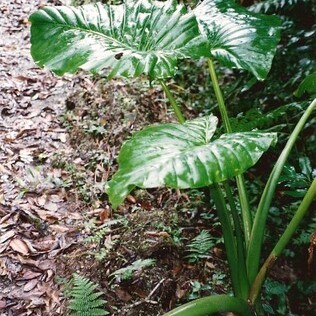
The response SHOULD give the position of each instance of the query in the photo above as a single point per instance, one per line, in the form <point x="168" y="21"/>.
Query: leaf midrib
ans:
<point x="119" y="43"/>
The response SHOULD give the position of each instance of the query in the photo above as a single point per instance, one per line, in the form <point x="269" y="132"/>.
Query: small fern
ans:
<point x="85" y="300"/>
<point x="98" y="233"/>
<point x="127" y="272"/>
<point x="199" y="246"/>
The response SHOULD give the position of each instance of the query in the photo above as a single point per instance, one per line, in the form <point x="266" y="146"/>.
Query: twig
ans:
<point x="155" y="289"/>
<point x="147" y="299"/>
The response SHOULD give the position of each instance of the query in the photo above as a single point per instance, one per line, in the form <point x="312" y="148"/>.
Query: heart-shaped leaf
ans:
<point x="183" y="156"/>
<point x="127" y="39"/>
<point x="239" y="38"/>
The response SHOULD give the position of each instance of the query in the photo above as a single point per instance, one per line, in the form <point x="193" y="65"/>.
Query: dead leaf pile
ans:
<point x="35" y="226"/>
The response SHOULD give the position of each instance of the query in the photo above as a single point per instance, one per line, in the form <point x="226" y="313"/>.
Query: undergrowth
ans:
<point x="85" y="299"/>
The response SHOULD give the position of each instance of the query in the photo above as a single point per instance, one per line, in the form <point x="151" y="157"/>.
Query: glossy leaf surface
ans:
<point x="307" y="85"/>
<point x="127" y="40"/>
<point x="239" y="38"/>
<point x="183" y="156"/>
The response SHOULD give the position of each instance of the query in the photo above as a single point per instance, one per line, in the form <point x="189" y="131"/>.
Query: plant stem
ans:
<point x="219" y="96"/>
<point x="229" y="238"/>
<point x="212" y="304"/>
<point x="243" y="279"/>
<point x="173" y="102"/>
<point x="245" y="209"/>
<point x="257" y="234"/>
<point x="283" y="241"/>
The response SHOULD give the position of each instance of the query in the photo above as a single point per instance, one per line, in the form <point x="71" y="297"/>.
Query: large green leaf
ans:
<point x="307" y="85"/>
<point x="135" y="37"/>
<point x="239" y="38"/>
<point x="183" y="156"/>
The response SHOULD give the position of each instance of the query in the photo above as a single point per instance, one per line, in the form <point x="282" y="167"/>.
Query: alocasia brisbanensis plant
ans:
<point x="148" y="37"/>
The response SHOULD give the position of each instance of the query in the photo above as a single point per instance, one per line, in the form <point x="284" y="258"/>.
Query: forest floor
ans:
<point x="59" y="140"/>
<point x="58" y="143"/>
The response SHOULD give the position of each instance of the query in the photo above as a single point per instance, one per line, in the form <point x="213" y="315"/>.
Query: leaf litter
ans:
<point x="34" y="225"/>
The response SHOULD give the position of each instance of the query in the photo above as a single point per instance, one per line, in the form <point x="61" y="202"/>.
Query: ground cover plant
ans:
<point x="142" y="37"/>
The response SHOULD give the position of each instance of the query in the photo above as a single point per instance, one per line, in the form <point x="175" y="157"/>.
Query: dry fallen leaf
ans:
<point x="19" y="246"/>
<point x="104" y="215"/>
<point x="3" y="267"/>
<point x="7" y="236"/>
<point x="180" y="292"/>
<point x="3" y="304"/>
<point x="30" y="285"/>
<point x="123" y="295"/>
<point x="47" y="215"/>
<point x="59" y="228"/>
<point x="51" y="206"/>
<point x="29" y="275"/>
<point x="210" y="265"/>
<point x="131" y="199"/>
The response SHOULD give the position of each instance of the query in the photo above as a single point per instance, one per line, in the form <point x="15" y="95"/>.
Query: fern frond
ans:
<point x="127" y="272"/>
<point x="269" y="6"/>
<point x="85" y="300"/>
<point x="199" y="246"/>
<point x="255" y="119"/>
<point x="99" y="232"/>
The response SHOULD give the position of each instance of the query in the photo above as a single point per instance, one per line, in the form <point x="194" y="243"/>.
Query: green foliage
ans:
<point x="307" y="85"/>
<point x="196" y="290"/>
<point x="142" y="37"/>
<point x="100" y="235"/>
<point x="297" y="183"/>
<point x="268" y="6"/>
<point x="274" y="290"/>
<point x="219" y="281"/>
<point x="127" y="272"/>
<point x="294" y="60"/>
<point x="239" y="38"/>
<point x="99" y="232"/>
<point x="119" y="40"/>
<point x="184" y="156"/>
<point x="272" y="120"/>
<point x="85" y="300"/>
<point x="199" y="246"/>
<point x="276" y="296"/>
<point x="148" y="37"/>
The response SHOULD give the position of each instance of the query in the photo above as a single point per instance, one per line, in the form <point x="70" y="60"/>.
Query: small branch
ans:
<point x="147" y="299"/>
<point x="155" y="289"/>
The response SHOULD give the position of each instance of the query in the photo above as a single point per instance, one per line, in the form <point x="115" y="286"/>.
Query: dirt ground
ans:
<point x="58" y="143"/>
<point x="59" y="139"/>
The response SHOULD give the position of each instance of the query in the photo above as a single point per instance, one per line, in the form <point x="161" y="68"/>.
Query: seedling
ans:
<point x="148" y="37"/>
